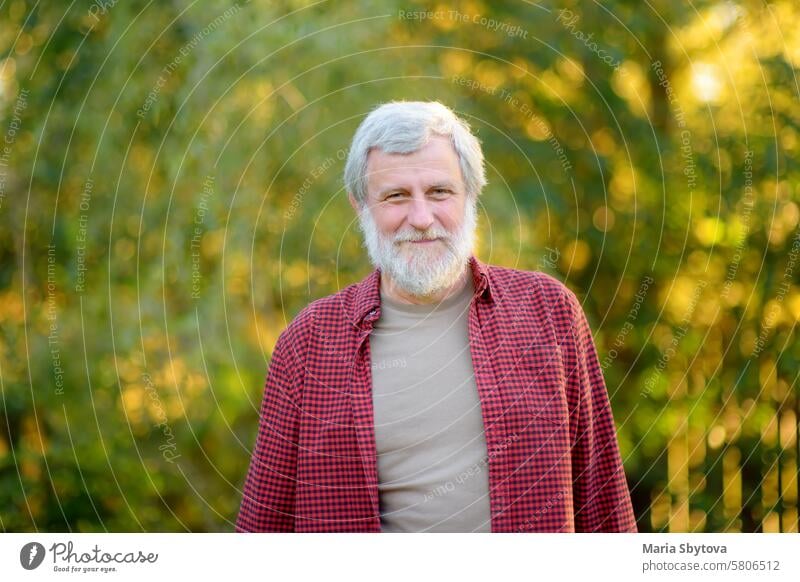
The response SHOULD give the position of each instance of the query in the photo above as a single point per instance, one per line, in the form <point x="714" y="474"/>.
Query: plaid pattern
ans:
<point x="553" y="459"/>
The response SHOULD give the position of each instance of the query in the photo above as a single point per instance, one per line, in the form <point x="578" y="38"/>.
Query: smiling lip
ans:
<point x="429" y="240"/>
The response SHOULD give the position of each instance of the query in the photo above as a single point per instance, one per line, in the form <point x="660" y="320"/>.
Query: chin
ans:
<point x="425" y="261"/>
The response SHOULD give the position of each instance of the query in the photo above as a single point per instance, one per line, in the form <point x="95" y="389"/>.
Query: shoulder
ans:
<point x="541" y="288"/>
<point x="330" y="312"/>
<point x="318" y="323"/>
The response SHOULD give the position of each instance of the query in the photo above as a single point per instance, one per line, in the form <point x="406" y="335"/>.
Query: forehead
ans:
<point x="435" y="160"/>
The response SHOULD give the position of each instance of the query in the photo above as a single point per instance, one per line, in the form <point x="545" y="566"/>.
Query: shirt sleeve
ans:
<point x="269" y="488"/>
<point x="601" y="497"/>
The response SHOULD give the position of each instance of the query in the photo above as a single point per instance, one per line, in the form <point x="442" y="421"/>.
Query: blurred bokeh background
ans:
<point x="171" y="197"/>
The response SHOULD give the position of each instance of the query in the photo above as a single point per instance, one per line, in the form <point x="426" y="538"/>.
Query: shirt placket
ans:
<point x="363" y="414"/>
<point x="492" y="409"/>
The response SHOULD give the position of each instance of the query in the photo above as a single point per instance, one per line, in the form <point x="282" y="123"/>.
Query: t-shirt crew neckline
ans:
<point x="455" y="300"/>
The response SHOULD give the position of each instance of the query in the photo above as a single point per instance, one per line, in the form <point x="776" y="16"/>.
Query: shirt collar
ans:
<point x="368" y="291"/>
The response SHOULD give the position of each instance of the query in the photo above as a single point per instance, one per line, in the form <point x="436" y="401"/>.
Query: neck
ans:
<point x="389" y="287"/>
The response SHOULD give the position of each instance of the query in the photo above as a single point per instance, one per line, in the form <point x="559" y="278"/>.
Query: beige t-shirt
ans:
<point x="432" y="454"/>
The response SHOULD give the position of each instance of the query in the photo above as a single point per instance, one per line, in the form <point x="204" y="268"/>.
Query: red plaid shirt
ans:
<point x="553" y="459"/>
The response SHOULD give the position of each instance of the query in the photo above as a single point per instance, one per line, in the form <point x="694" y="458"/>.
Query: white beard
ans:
<point x="421" y="270"/>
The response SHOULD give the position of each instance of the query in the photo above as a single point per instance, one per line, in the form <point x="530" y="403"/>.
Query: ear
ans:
<point x="353" y="202"/>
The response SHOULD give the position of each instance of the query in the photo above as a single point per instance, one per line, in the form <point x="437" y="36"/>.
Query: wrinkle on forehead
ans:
<point x="437" y="161"/>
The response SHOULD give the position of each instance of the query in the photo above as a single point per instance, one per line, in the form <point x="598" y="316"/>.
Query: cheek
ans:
<point x="451" y="215"/>
<point x="388" y="218"/>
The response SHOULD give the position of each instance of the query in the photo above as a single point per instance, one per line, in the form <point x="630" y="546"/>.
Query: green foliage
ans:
<point x="171" y="197"/>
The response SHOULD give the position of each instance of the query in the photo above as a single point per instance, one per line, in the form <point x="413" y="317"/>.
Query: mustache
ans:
<point x="430" y="234"/>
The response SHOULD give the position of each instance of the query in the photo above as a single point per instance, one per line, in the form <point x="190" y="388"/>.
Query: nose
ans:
<point x="420" y="215"/>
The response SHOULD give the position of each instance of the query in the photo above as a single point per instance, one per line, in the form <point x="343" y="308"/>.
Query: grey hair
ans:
<point x="402" y="127"/>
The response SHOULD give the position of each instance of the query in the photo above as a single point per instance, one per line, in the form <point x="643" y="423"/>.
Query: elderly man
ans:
<point x="439" y="394"/>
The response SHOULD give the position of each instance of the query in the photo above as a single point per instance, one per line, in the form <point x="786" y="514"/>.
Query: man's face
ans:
<point x="418" y="225"/>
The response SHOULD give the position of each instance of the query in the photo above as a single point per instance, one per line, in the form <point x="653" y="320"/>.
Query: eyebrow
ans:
<point x="445" y="184"/>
